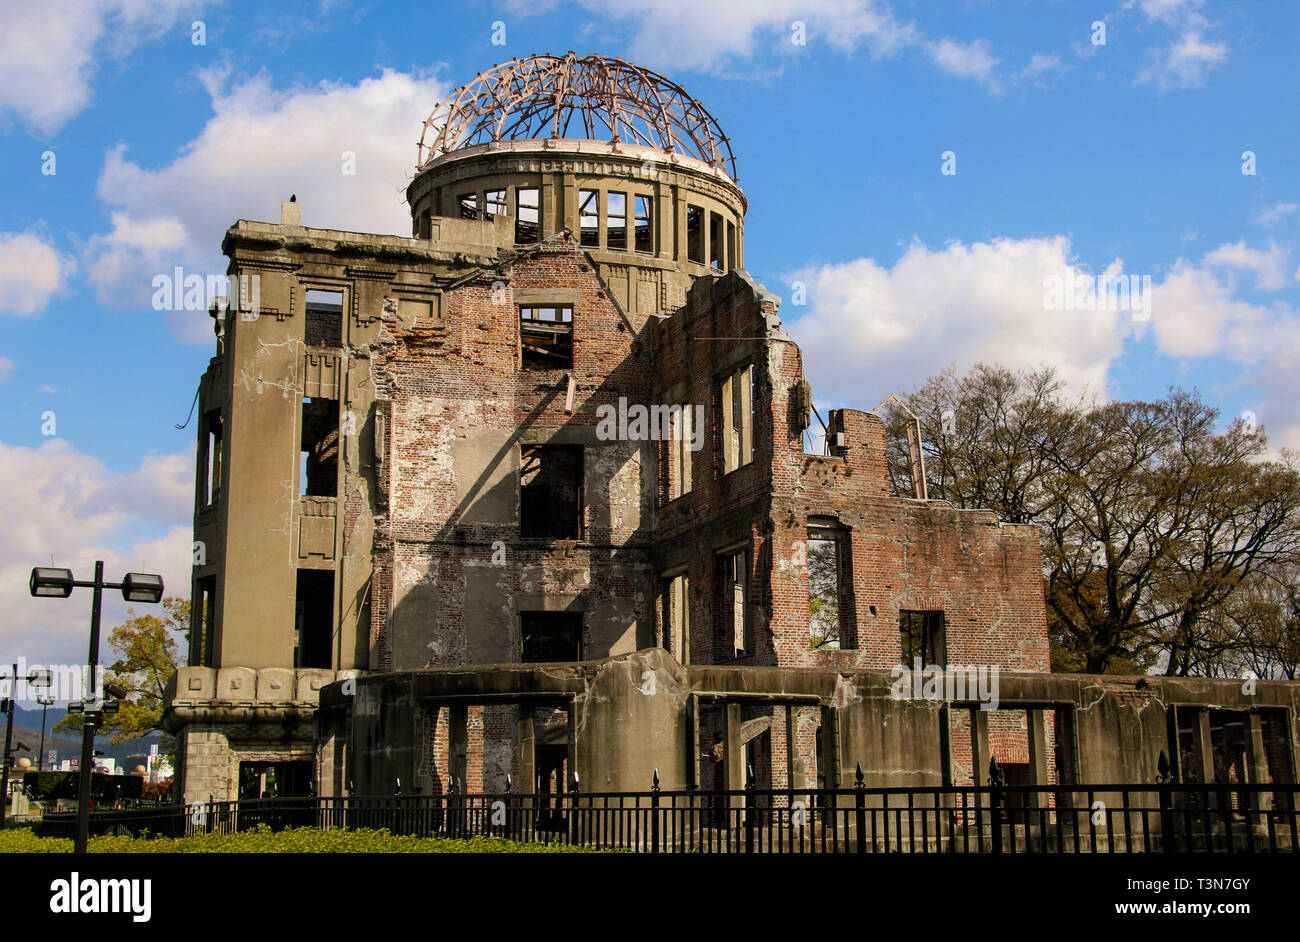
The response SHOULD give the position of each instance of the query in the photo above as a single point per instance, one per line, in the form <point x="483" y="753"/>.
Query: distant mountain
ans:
<point x="27" y="728"/>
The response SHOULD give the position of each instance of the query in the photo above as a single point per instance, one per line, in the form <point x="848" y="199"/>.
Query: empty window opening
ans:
<point x="546" y="337"/>
<point x="550" y="492"/>
<point x="527" y="215"/>
<point x="616" y="221"/>
<point x="731" y="246"/>
<point x="695" y="234"/>
<point x="469" y="206"/>
<point x="494" y="204"/>
<point x="212" y="446"/>
<point x="589" y="217"/>
<point x="825" y="618"/>
<point x="551" y="636"/>
<point x="922" y="636"/>
<point x="203" y="648"/>
<point x="644" y="224"/>
<point x="675" y="637"/>
<point x="314" y="619"/>
<point x="733" y="608"/>
<point x="291" y="779"/>
<point x="712" y="761"/>
<point x="679" y="451"/>
<point x="324" y="326"/>
<point x="756" y="738"/>
<point x="717" y="242"/>
<point x="738" y="419"/>
<point x="319" y="454"/>
<point x="551" y="771"/>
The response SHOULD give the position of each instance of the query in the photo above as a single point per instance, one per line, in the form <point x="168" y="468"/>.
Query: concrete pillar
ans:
<point x="1035" y="719"/>
<point x="679" y="226"/>
<point x="527" y="730"/>
<point x="692" y="743"/>
<point x="1205" y="747"/>
<point x="1257" y="760"/>
<point x="945" y="745"/>
<point x="733" y="761"/>
<point x="568" y="190"/>
<point x="979" y="746"/>
<point x="791" y="748"/>
<point x="571" y="733"/>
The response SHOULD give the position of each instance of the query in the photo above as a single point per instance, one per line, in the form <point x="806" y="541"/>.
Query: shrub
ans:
<point x="262" y="840"/>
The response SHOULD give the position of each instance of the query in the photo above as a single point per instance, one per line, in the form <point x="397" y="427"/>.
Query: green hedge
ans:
<point x="42" y="785"/>
<point x="265" y="841"/>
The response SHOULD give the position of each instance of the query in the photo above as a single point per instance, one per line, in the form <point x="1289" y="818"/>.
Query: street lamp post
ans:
<point x="45" y="700"/>
<point x="58" y="583"/>
<point x="8" y="705"/>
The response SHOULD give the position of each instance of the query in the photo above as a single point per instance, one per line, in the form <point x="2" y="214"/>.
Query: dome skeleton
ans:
<point x="539" y="97"/>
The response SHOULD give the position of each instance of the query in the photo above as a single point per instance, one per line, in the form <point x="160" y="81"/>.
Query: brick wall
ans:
<point x="899" y="554"/>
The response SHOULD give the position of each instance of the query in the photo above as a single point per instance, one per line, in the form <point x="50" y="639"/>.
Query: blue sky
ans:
<point x="1071" y="156"/>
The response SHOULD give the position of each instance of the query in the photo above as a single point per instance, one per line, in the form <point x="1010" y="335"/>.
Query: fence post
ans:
<point x="575" y="823"/>
<point x="1164" y="779"/>
<point x="510" y="810"/>
<point x="654" y="814"/>
<point x="995" y="803"/>
<point x="750" y="811"/>
<point x="860" y="809"/>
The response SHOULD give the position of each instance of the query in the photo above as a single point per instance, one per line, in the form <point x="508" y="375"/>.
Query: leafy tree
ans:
<point x="147" y="648"/>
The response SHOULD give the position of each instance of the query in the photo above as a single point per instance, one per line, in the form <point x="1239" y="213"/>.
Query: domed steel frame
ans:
<point x="540" y="97"/>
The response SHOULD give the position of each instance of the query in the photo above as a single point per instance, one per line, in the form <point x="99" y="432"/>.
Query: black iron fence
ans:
<point x="1023" y="819"/>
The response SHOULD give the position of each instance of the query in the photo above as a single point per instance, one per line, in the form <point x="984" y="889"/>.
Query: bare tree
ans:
<point x="1151" y="519"/>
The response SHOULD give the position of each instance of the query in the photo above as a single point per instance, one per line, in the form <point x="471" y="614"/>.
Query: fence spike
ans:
<point x="858" y="780"/>
<point x="655" y="784"/>
<point x="1162" y="767"/>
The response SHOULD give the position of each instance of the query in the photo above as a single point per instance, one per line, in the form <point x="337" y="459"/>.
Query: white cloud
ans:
<point x="31" y="271"/>
<point x="972" y="60"/>
<point x="1195" y="315"/>
<point x="722" y="32"/>
<point x="1269" y="265"/>
<point x="65" y="508"/>
<point x="261" y="145"/>
<point x="1040" y="66"/>
<point x="1276" y="214"/>
<point x="1184" y="63"/>
<point x="1168" y="11"/>
<point x="6" y="367"/>
<point x="729" y="29"/>
<point x="48" y="57"/>
<point x="960" y="304"/>
<point x="872" y="329"/>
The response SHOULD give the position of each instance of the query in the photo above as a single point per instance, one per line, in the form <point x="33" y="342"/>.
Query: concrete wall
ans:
<point x="641" y="712"/>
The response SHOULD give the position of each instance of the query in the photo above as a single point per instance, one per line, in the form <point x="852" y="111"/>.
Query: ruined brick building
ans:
<point x="529" y="493"/>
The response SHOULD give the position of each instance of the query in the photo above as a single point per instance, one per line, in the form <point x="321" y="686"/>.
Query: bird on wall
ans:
<point x="293" y="197"/>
